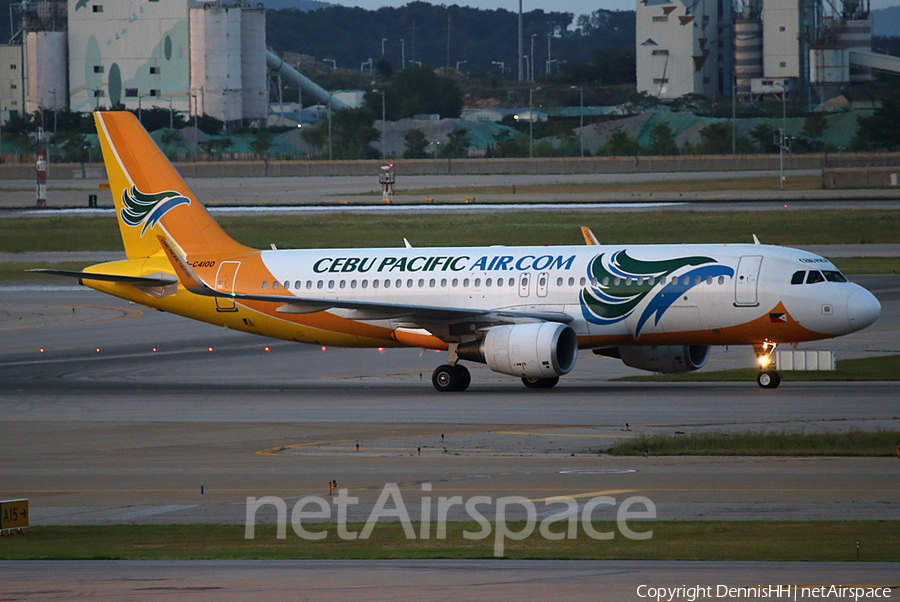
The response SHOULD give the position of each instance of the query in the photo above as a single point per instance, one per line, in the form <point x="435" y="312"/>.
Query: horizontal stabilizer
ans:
<point x="135" y="280"/>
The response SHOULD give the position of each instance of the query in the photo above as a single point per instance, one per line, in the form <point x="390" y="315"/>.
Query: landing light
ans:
<point x="763" y="361"/>
<point x="324" y="347"/>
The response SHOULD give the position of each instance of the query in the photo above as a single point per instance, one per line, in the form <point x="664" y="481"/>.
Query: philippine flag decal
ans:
<point x="778" y="317"/>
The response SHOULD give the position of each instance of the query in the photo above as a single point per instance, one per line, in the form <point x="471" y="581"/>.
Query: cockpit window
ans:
<point x="834" y="276"/>
<point x="797" y="278"/>
<point x="814" y="277"/>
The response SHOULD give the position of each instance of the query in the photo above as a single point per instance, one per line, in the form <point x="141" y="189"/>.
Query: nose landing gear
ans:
<point x="768" y="377"/>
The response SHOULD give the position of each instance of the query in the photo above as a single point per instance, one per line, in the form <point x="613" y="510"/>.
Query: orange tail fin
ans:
<point x="151" y="198"/>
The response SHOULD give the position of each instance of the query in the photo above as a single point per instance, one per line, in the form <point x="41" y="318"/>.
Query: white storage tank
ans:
<point x="46" y="70"/>
<point x="216" y="62"/>
<point x="253" y="63"/>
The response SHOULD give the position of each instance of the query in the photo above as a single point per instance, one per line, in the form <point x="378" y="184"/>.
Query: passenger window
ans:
<point x="465" y="282"/>
<point x="814" y="277"/>
<point x="265" y="285"/>
<point x="330" y="284"/>
<point x="409" y="283"/>
<point x="559" y="281"/>
<point x="343" y="283"/>
<point x="353" y="284"/>
<point x="275" y="285"/>
<point x="617" y="281"/>
<point x="797" y="278"/>
<point x="398" y="283"/>
<point x="443" y="282"/>
<point x="594" y="282"/>
<point x="320" y="284"/>
<point x="687" y="280"/>
<point x="571" y="282"/>
<point x="365" y="284"/>
<point x="697" y="280"/>
<point x="833" y="276"/>
<point x="581" y="281"/>
<point x="375" y="284"/>
<point x="387" y="283"/>
<point x="477" y="282"/>
<point x="721" y="279"/>
<point x="431" y="283"/>
<point x="488" y="282"/>
<point x="455" y="282"/>
<point x="542" y="281"/>
<point x="674" y="279"/>
<point x="287" y="285"/>
<point x="652" y="280"/>
<point x="421" y="283"/>
<point x="309" y="284"/>
<point x="709" y="280"/>
<point x="297" y="284"/>
<point x="512" y="282"/>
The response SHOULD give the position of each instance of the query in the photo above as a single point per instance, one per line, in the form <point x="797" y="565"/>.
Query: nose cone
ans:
<point x="862" y="309"/>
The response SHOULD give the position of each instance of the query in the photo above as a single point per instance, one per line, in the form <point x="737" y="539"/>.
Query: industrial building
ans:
<point x="812" y="49"/>
<point x="185" y="55"/>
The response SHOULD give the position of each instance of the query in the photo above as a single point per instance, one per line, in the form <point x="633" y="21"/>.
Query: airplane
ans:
<point x="522" y="311"/>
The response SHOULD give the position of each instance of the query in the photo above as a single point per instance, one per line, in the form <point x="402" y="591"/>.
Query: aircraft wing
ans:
<point x="363" y="310"/>
<point x="162" y="280"/>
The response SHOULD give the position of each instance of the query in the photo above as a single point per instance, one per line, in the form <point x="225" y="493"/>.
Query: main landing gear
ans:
<point x="768" y="377"/>
<point x="451" y="378"/>
<point x="540" y="383"/>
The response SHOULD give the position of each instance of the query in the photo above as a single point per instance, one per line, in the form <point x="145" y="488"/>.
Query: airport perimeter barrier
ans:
<point x="867" y="177"/>
<point x="512" y="166"/>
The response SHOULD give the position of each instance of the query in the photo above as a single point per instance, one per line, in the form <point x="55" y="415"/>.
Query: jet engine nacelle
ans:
<point x="538" y="350"/>
<point x="665" y="358"/>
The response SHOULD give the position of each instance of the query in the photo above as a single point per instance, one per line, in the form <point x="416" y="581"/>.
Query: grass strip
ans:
<point x="785" y="443"/>
<point x="304" y="231"/>
<point x="775" y="541"/>
<point x="880" y="368"/>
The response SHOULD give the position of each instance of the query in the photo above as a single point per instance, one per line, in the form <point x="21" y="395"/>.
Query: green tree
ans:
<point x="764" y="135"/>
<point x="620" y="144"/>
<point x="415" y="145"/>
<point x="813" y="129"/>
<point x="715" y="139"/>
<point x="698" y="104"/>
<point x="881" y="130"/>
<point x="662" y="140"/>
<point x="261" y="142"/>
<point x="416" y="90"/>
<point x="352" y="133"/>
<point x="457" y="144"/>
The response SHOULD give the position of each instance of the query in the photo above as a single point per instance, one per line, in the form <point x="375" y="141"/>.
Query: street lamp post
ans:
<point x="383" y="40"/>
<point x="548" y="54"/>
<point x="580" y="117"/>
<point x="329" y="127"/>
<point x="332" y="61"/>
<point x="171" y="114"/>
<point x="458" y="63"/>
<point x="500" y="64"/>
<point x="402" y="54"/>
<point x="532" y="56"/>
<point x="196" y="127"/>
<point x="531" y="121"/>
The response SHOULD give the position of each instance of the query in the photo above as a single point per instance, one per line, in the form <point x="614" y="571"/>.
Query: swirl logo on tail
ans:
<point x="148" y="208"/>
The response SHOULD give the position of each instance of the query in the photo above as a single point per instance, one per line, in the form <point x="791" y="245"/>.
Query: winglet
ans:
<point x="755" y="240"/>
<point x="185" y="273"/>
<point x="589" y="238"/>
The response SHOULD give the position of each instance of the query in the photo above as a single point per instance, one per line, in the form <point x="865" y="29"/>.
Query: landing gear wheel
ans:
<point x="768" y="379"/>
<point x="451" y="378"/>
<point x="540" y="383"/>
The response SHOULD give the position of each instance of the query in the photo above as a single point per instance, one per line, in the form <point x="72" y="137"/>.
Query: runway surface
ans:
<point x="100" y="428"/>
<point x="422" y="581"/>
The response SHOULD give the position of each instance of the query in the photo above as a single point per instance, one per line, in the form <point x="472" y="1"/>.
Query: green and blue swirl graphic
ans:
<point x="610" y="299"/>
<point x="148" y="208"/>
